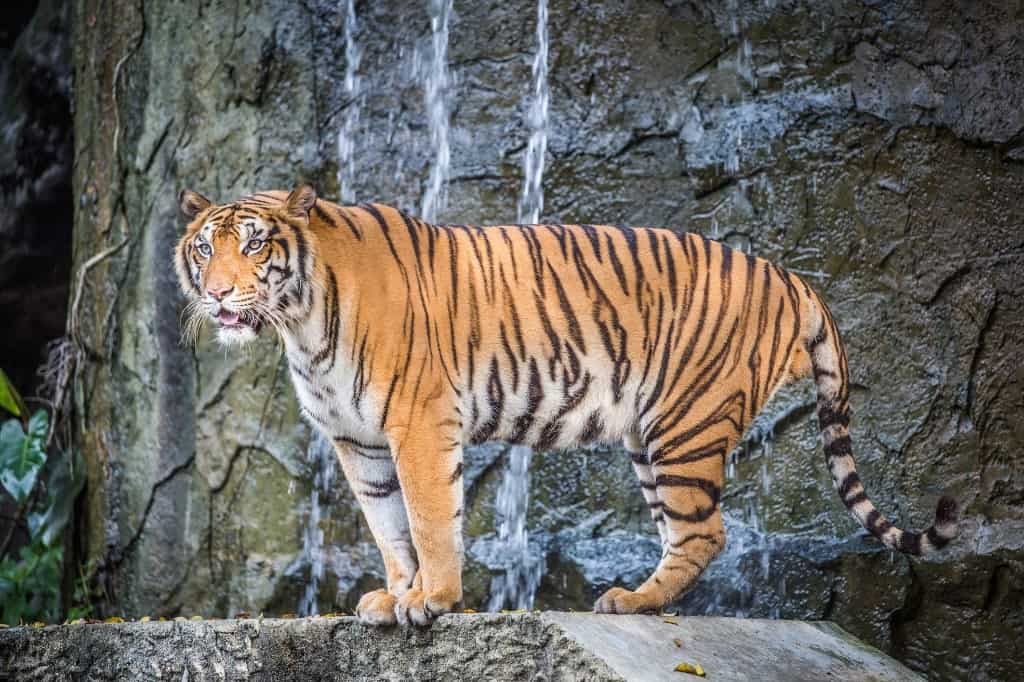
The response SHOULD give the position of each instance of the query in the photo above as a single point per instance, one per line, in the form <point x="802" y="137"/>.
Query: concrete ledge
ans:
<point x="531" y="646"/>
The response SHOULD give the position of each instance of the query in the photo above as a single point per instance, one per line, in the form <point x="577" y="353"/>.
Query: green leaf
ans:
<point x="10" y="399"/>
<point x="22" y="455"/>
<point x="65" y="481"/>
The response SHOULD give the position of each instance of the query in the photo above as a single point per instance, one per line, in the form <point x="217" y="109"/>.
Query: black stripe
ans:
<point x="534" y="396"/>
<point x="856" y="499"/>
<point x="717" y="448"/>
<point x="616" y="264"/>
<point x="593" y="428"/>
<point x="595" y="240"/>
<point x="707" y="487"/>
<point x="382" y="489"/>
<point x="848" y="483"/>
<point x="496" y="402"/>
<point x="387" y="402"/>
<point x="351" y="225"/>
<point x="828" y="416"/>
<point x="937" y="541"/>
<point x="840" y="447"/>
<point x="324" y="215"/>
<point x="653" y="239"/>
<point x="301" y="253"/>
<point x="567" y="311"/>
<point x="695" y="536"/>
<point x="457" y="474"/>
<point x="359" y="444"/>
<point x="910" y="543"/>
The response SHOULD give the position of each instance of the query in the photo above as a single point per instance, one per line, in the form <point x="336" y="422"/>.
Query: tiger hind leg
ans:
<point x="687" y="479"/>
<point x="644" y="472"/>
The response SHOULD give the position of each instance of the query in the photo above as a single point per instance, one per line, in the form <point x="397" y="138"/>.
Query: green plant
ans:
<point x="43" y="489"/>
<point x="82" y="596"/>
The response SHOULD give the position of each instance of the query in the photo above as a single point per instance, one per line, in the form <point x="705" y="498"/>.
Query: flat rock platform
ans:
<point x="521" y="646"/>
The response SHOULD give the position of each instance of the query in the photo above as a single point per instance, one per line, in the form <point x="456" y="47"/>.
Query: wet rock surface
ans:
<point x="549" y="646"/>
<point x="874" y="148"/>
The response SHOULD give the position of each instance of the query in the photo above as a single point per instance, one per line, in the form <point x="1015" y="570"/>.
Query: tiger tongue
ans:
<point x="228" y="317"/>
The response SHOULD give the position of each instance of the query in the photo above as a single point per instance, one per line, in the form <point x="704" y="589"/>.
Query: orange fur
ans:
<point x="407" y="341"/>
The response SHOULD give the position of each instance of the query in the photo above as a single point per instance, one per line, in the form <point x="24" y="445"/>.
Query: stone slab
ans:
<point x="643" y="648"/>
<point x="529" y="646"/>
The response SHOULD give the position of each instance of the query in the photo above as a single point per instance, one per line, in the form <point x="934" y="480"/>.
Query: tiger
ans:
<point x="408" y="341"/>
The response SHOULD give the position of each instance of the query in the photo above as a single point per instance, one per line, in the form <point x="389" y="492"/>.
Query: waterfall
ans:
<point x="321" y="458"/>
<point x="531" y="200"/>
<point x="523" y="569"/>
<point x="352" y="89"/>
<point x="436" y="94"/>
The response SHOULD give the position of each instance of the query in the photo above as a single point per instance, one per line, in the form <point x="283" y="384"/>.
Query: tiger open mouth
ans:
<point x="235" y="319"/>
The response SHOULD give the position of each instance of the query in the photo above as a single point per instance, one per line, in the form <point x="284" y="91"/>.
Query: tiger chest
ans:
<point x="326" y="400"/>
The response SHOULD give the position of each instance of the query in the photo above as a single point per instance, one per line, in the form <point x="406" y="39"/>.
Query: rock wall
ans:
<point x="35" y="183"/>
<point x="874" y="148"/>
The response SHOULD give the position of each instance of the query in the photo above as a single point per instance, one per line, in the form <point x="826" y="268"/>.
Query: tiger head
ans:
<point x="246" y="264"/>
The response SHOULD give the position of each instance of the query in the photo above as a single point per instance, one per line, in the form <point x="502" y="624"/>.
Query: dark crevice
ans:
<point x="124" y="551"/>
<point x="36" y="208"/>
<point x="901" y="620"/>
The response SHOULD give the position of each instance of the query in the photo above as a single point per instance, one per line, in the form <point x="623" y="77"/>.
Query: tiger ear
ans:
<point x="300" y="201"/>
<point x="192" y="203"/>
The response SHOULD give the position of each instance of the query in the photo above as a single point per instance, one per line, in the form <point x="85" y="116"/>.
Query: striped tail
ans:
<point x="828" y="358"/>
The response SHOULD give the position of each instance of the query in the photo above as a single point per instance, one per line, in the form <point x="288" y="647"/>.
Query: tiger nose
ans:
<point x="219" y="294"/>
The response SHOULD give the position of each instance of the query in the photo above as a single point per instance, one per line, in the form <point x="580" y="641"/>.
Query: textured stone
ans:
<point x="550" y="646"/>
<point x="874" y="148"/>
<point x="35" y="183"/>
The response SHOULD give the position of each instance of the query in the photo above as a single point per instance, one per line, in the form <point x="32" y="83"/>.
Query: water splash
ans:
<point x="436" y="99"/>
<point x="531" y="200"/>
<point x="321" y="458"/>
<point x="516" y="586"/>
<point x="352" y="87"/>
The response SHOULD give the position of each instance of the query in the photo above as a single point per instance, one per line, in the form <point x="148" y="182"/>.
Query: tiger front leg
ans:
<point x="371" y="474"/>
<point x="430" y="471"/>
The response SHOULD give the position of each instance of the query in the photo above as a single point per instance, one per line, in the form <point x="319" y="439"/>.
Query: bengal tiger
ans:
<point x="406" y="341"/>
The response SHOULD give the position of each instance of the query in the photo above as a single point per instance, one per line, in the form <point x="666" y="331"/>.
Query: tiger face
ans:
<point x="246" y="264"/>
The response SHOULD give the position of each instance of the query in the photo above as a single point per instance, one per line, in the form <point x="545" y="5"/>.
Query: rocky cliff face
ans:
<point x="35" y="183"/>
<point x="874" y="148"/>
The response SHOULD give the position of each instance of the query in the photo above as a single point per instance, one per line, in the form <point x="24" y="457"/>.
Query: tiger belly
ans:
<point x="532" y="405"/>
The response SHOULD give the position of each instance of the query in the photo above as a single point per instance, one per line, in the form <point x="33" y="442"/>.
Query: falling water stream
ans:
<point x="519" y="565"/>
<point x="531" y="200"/>
<point x="516" y="586"/>
<point x="436" y="95"/>
<point x="321" y="459"/>
<point x="353" y="92"/>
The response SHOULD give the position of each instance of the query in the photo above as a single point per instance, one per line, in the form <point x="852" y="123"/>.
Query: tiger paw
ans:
<point x="415" y="607"/>
<point x="620" y="600"/>
<point x="377" y="608"/>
